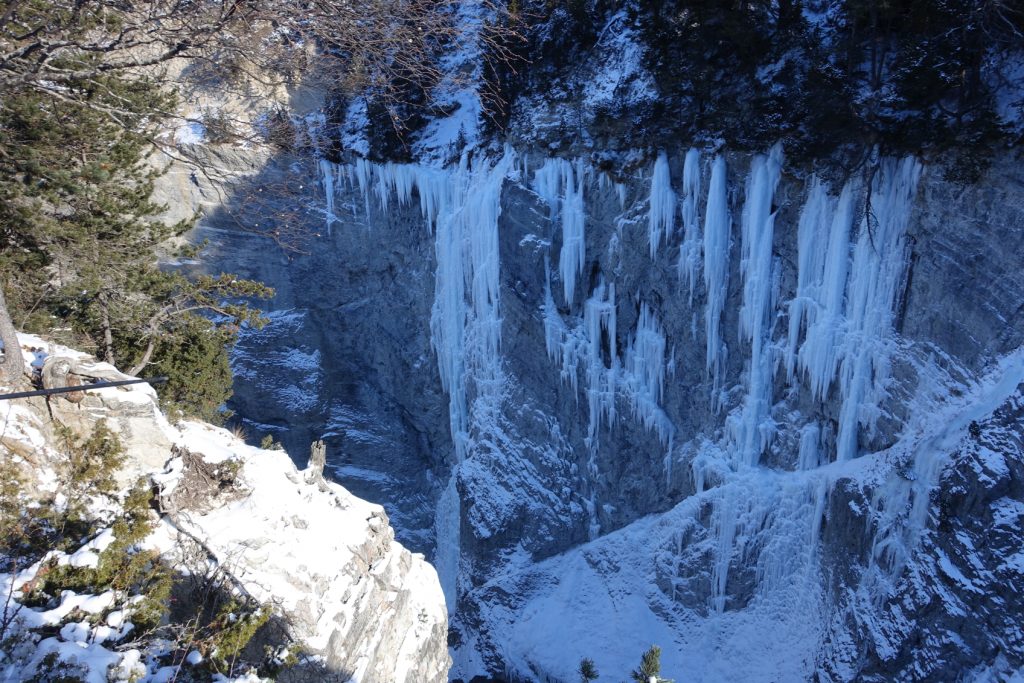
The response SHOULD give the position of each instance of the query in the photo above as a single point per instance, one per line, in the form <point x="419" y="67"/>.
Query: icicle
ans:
<point x="573" y="253"/>
<point x="549" y="181"/>
<point x="662" y="204"/>
<point x="717" y="240"/>
<point x="481" y="212"/>
<point x="448" y="321"/>
<point x="592" y="347"/>
<point x="645" y="356"/>
<point x="689" y="250"/>
<point x="753" y="430"/>
<point x="327" y="178"/>
<point x="364" y="175"/>
<point x="644" y="378"/>
<point x="723" y="524"/>
<point x="560" y="184"/>
<point x="812" y="237"/>
<point x="599" y="323"/>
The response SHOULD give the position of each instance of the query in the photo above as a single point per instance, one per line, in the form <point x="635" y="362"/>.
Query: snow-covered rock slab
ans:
<point x="132" y="411"/>
<point x="326" y="560"/>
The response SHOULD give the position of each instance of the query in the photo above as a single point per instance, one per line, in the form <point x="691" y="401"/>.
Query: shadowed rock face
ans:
<point x="348" y="358"/>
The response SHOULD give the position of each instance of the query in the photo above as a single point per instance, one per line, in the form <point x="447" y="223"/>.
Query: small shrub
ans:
<point x="268" y="443"/>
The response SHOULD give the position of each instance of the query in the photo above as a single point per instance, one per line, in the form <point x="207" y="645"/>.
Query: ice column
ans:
<point x="465" y="337"/>
<point x="644" y="378"/>
<point x="662" y="204"/>
<point x="599" y="323"/>
<point x="645" y="356"/>
<point x="812" y="236"/>
<point x="327" y="172"/>
<point x="717" y="241"/>
<point x="825" y="325"/>
<point x="752" y="431"/>
<point x="689" y="250"/>
<point x="448" y="313"/>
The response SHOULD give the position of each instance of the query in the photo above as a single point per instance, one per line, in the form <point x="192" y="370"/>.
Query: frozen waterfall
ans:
<point x="689" y="250"/>
<point x="752" y="430"/>
<point x="661" y="217"/>
<point x="717" y="244"/>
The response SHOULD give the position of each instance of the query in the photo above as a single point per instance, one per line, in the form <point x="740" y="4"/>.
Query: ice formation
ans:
<point x="590" y="347"/>
<point x="811" y="239"/>
<point x="824" y="248"/>
<point x="461" y="207"/>
<point x="844" y="304"/>
<point x="689" y="250"/>
<point x="327" y="173"/>
<point x="757" y="526"/>
<point x="580" y="349"/>
<point x="645" y="357"/>
<point x="878" y="271"/>
<point x="752" y="431"/>
<point x="717" y="243"/>
<point x="661" y="218"/>
<point x="560" y="184"/>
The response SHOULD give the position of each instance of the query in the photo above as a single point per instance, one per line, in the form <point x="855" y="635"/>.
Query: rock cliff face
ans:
<point x="360" y="605"/>
<point x="714" y="403"/>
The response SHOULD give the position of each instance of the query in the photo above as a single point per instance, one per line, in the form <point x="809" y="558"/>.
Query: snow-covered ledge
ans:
<point x="326" y="560"/>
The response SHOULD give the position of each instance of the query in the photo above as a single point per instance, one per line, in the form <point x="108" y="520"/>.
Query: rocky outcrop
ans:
<point x="359" y="605"/>
<point x="325" y="559"/>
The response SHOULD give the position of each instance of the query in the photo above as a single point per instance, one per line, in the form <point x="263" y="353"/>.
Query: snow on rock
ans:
<point x="323" y="560"/>
<point x="327" y="561"/>
<point x="130" y="411"/>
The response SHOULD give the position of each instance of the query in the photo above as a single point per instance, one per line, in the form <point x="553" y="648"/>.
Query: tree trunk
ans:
<point x="144" y="361"/>
<point x="108" y="335"/>
<point x="12" y="366"/>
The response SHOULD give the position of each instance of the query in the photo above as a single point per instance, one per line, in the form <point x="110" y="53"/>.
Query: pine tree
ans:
<point x="587" y="671"/>
<point x="649" y="670"/>
<point x="78" y="238"/>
